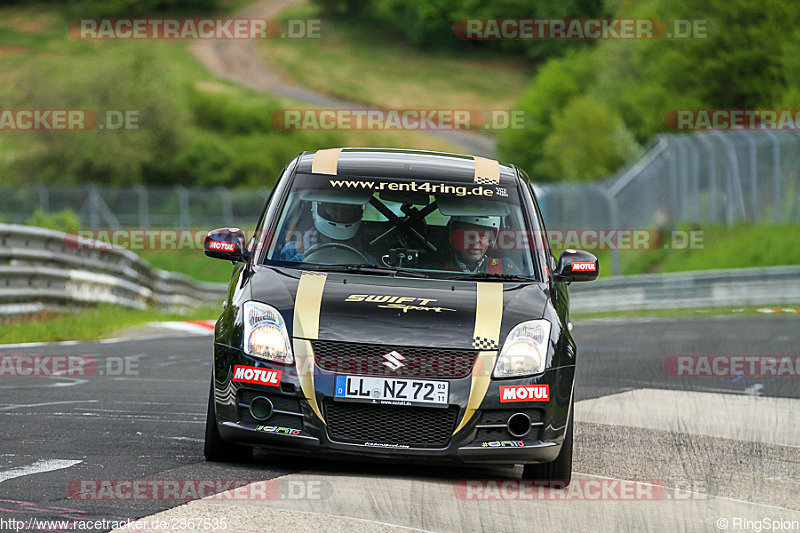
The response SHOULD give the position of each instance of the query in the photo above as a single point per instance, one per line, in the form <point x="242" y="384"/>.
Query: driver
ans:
<point x="471" y="238"/>
<point x="333" y="223"/>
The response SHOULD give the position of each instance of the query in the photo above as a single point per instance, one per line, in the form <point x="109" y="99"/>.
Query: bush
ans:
<point x="206" y="161"/>
<point x="66" y="220"/>
<point x="557" y="82"/>
<point x="116" y="78"/>
<point x="429" y="23"/>
<point x="588" y="141"/>
<point x="186" y="136"/>
<point x="231" y="115"/>
<point x="142" y="8"/>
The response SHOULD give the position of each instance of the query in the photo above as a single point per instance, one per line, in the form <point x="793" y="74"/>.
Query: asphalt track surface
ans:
<point x="711" y="448"/>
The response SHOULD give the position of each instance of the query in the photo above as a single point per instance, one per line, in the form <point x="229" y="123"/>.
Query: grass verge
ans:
<point x="717" y="247"/>
<point x="87" y="324"/>
<point x="193" y="263"/>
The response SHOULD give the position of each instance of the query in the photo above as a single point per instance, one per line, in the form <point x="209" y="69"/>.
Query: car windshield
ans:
<point x="435" y="228"/>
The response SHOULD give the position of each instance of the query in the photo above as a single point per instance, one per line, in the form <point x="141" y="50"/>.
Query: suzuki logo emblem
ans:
<point x="393" y="360"/>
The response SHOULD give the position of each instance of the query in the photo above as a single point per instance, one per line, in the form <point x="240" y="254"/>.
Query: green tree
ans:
<point x="588" y="141"/>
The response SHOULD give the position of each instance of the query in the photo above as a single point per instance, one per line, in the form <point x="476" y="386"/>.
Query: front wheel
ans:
<point x="561" y="468"/>
<point x="217" y="449"/>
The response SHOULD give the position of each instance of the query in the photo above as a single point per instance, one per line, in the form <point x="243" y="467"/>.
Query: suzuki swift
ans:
<point x="397" y="305"/>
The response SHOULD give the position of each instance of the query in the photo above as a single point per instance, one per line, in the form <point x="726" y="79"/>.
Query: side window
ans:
<point x="268" y="213"/>
<point x="551" y="261"/>
<point x="260" y="226"/>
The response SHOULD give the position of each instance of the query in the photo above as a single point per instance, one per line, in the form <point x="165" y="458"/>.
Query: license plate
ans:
<point x="391" y="390"/>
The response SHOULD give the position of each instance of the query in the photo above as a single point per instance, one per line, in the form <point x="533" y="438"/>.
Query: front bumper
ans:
<point x="295" y="428"/>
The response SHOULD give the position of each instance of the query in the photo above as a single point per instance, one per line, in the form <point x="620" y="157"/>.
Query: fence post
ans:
<point x="712" y="176"/>
<point x="695" y="177"/>
<point x="227" y="205"/>
<point x="613" y="215"/>
<point x="734" y="176"/>
<point x="183" y="201"/>
<point x="44" y="199"/>
<point x="676" y="190"/>
<point x="144" y="211"/>
<point x="684" y="160"/>
<point x="94" y="219"/>
<point x="748" y="138"/>
<point x="776" y="172"/>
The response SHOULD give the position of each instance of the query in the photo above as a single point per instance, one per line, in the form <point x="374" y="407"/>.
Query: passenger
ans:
<point x="471" y="238"/>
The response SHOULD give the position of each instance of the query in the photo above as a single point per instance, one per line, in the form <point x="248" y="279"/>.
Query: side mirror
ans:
<point x="577" y="265"/>
<point x="226" y="243"/>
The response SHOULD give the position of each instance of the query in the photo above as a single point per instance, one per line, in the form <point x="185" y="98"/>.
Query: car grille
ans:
<point x="417" y="427"/>
<point x="368" y="360"/>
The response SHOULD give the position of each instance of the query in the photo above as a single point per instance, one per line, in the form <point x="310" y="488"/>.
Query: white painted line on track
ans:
<point x="186" y="438"/>
<point x="21" y="406"/>
<point x="40" y="466"/>
<point x="99" y="341"/>
<point x="71" y="382"/>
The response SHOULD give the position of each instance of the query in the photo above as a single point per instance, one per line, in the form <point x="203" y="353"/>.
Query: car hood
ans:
<point x="397" y="310"/>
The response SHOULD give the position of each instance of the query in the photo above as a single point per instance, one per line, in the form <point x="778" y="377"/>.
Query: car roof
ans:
<point x="405" y="163"/>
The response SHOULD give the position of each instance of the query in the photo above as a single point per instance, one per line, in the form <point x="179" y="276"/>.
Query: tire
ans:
<point x="561" y="468"/>
<point x="217" y="449"/>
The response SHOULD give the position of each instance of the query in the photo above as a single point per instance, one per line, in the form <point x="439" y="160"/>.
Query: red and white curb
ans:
<point x="195" y="327"/>
<point x="777" y="310"/>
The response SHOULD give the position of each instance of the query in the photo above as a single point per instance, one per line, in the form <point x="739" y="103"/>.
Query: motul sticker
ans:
<point x="525" y="393"/>
<point x="258" y="376"/>
<point x="223" y="246"/>
<point x="578" y="267"/>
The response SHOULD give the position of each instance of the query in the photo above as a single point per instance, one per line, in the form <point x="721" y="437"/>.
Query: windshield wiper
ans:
<point x="364" y="269"/>
<point x="489" y="276"/>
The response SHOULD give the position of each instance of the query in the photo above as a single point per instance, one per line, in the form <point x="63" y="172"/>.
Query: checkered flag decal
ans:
<point x="482" y="343"/>
<point x="485" y="181"/>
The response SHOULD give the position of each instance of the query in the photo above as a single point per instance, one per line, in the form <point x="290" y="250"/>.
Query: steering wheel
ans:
<point x="319" y="247"/>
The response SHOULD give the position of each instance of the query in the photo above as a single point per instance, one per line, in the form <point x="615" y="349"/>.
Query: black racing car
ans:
<point x="397" y="305"/>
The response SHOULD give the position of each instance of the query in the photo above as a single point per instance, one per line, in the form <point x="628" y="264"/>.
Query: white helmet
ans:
<point x="337" y="221"/>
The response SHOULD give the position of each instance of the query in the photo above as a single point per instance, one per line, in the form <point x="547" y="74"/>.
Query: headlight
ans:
<point x="525" y="350"/>
<point x="265" y="334"/>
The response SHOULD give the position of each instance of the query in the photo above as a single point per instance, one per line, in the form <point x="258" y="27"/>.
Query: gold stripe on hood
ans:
<point x="486" y="338"/>
<point x="305" y="328"/>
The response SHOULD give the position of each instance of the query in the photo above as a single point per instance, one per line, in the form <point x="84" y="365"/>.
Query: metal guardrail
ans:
<point x="702" y="288"/>
<point x="50" y="268"/>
